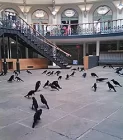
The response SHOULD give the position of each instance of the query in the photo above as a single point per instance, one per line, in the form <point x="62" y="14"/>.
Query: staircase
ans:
<point x="29" y="37"/>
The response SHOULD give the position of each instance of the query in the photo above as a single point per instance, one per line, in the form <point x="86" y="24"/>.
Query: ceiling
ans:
<point x="58" y="2"/>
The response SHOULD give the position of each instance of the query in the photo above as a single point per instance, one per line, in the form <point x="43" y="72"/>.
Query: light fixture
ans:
<point x="39" y="13"/>
<point x="102" y="10"/>
<point x="85" y="11"/>
<point x="120" y="5"/>
<point x="54" y="12"/>
<point x="12" y="42"/>
<point x="69" y="13"/>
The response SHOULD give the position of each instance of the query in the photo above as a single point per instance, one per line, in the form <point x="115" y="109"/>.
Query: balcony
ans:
<point x="84" y="30"/>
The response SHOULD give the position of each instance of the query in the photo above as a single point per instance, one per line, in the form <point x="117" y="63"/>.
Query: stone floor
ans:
<point x="76" y="111"/>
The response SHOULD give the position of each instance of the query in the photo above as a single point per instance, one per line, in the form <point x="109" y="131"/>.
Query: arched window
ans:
<point x="102" y="17"/>
<point x="39" y="19"/>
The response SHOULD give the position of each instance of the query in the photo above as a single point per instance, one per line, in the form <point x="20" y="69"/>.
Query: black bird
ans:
<point x="34" y="104"/>
<point x="37" y="117"/>
<point x="95" y="87"/>
<point x="74" y="69"/>
<point x="104" y="66"/>
<point x="18" y="79"/>
<point x="38" y="83"/>
<point x="2" y="73"/>
<point x="94" y="75"/>
<point x="44" y="72"/>
<point x="28" y="72"/>
<point x="72" y="74"/>
<point x="111" y="86"/>
<point x="60" y="77"/>
<point x="118" y="70"/>
<point x="110" y="66"/>
<point x="101" y="79"/>
<point x="53" y="86"/>
<point x="15" y="72"/>
<point x="67" y="77"/>
<point x="116" y="83"/>
<point x="43" y="100"/>
<point x="48" y="73"/>
<point x="84" y="75"/>
<point x="57" y="72"/>
<point x="30" y="93"/>
<point x="11" y="78"/>
<point x="55" y="83"/>
<point x="46" y="84"/>
<point x="78" y="68"/>
<point x="51" y="73"/>
<point x="82" y="69"/>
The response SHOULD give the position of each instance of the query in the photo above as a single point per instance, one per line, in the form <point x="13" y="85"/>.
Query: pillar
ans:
<point x="97" y="48"/>
<point x="0" y="57"/>
<point x="118" y="44"/>
<point x="84" y="49"/>
<point x="4" y="53"/>
<point x="27" y="53"/>
<point x="17" y="62"/>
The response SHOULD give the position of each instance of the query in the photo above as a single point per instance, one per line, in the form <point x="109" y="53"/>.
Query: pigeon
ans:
<point x="53" y="87"/>
<point x="72" y="74"/>
<point x="60" y="77"/>
<point x="67" y="77"/>
<point x="11" y="78"/>
<point x="44" y="72"/>
<point x="38" y="83"/>
<point x="34" y="104"/>
<point x="18" y="79"/>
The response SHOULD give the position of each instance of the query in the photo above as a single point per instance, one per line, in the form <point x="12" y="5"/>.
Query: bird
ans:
<point x="57" y="72"/>
<point x="116" y="83"/>
<point x="53" y="87"/>
<point x="28" y="72"/>
<point x="43" y="100"/>
<point x="104" y="66"/>
<point x="15" y="72"/>
<point x="84" y="75"/>
<point x="72" y="74"/>
<point x="44" y="72"/>
<point x="55" y="83"/>
<point x="95" y="87"/>
<point x="30" y="93"/>
<point x="110" y="66"/>
<point x="18" y="79"/>
<point x="82" y="69"/>
<point x="36" y="117"/>
<point x="78" y="68"/>
<point x="94" y="75"/>
<point x="48" y="73"/>
<point x="111" y="86"/>
<point x="37" y="85"/>
<point x="101" y="79"/>
<point x="74" y="69"/>
<point x="51" y="73"/>
<point x="46" y="84"/>
<point x="11" y="78"/>
<point x="34" y="104"/>
<point x="67" y="77"/>
<point x="60" y="77"/>
<point x="2" y="73"/>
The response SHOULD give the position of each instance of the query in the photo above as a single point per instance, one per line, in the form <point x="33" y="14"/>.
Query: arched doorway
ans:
<point x="70" y="18"/>
<point x="40" y="19"/>
<point x="102" y="18"/>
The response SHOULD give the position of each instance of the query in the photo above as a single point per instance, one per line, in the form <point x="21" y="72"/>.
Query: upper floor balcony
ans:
<point x="106" y="28"/>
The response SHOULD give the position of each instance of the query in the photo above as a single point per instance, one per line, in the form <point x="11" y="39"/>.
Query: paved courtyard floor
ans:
<point x="76" y="111"/>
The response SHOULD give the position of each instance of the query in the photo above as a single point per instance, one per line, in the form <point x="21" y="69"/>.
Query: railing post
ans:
<point x="4" y="53"/>
<point x="17" y="62"/>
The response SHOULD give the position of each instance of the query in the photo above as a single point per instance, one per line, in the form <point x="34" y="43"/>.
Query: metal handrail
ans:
<point x="48" y="42"/>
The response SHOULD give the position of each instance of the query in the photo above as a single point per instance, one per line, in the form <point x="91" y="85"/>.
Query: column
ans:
<point x="4" y="53"/>
<point x="97" y="48"/>
<point x="17" y="62"/>
<point x="0" y="57"/>
<point x="118" y="44"/>
<point x="27" y="53"/>
<point x="84" y="49"/>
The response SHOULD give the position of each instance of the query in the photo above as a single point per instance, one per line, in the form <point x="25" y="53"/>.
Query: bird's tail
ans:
<point x="33" y="125"/>
<point x="47" y="106"/>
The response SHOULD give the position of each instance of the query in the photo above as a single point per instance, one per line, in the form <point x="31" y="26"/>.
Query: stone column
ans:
<point x="54" y="54"/>
<point x="84" y="49"/>
<point x="97" y="48"/>
<point x="27" y="53"/>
